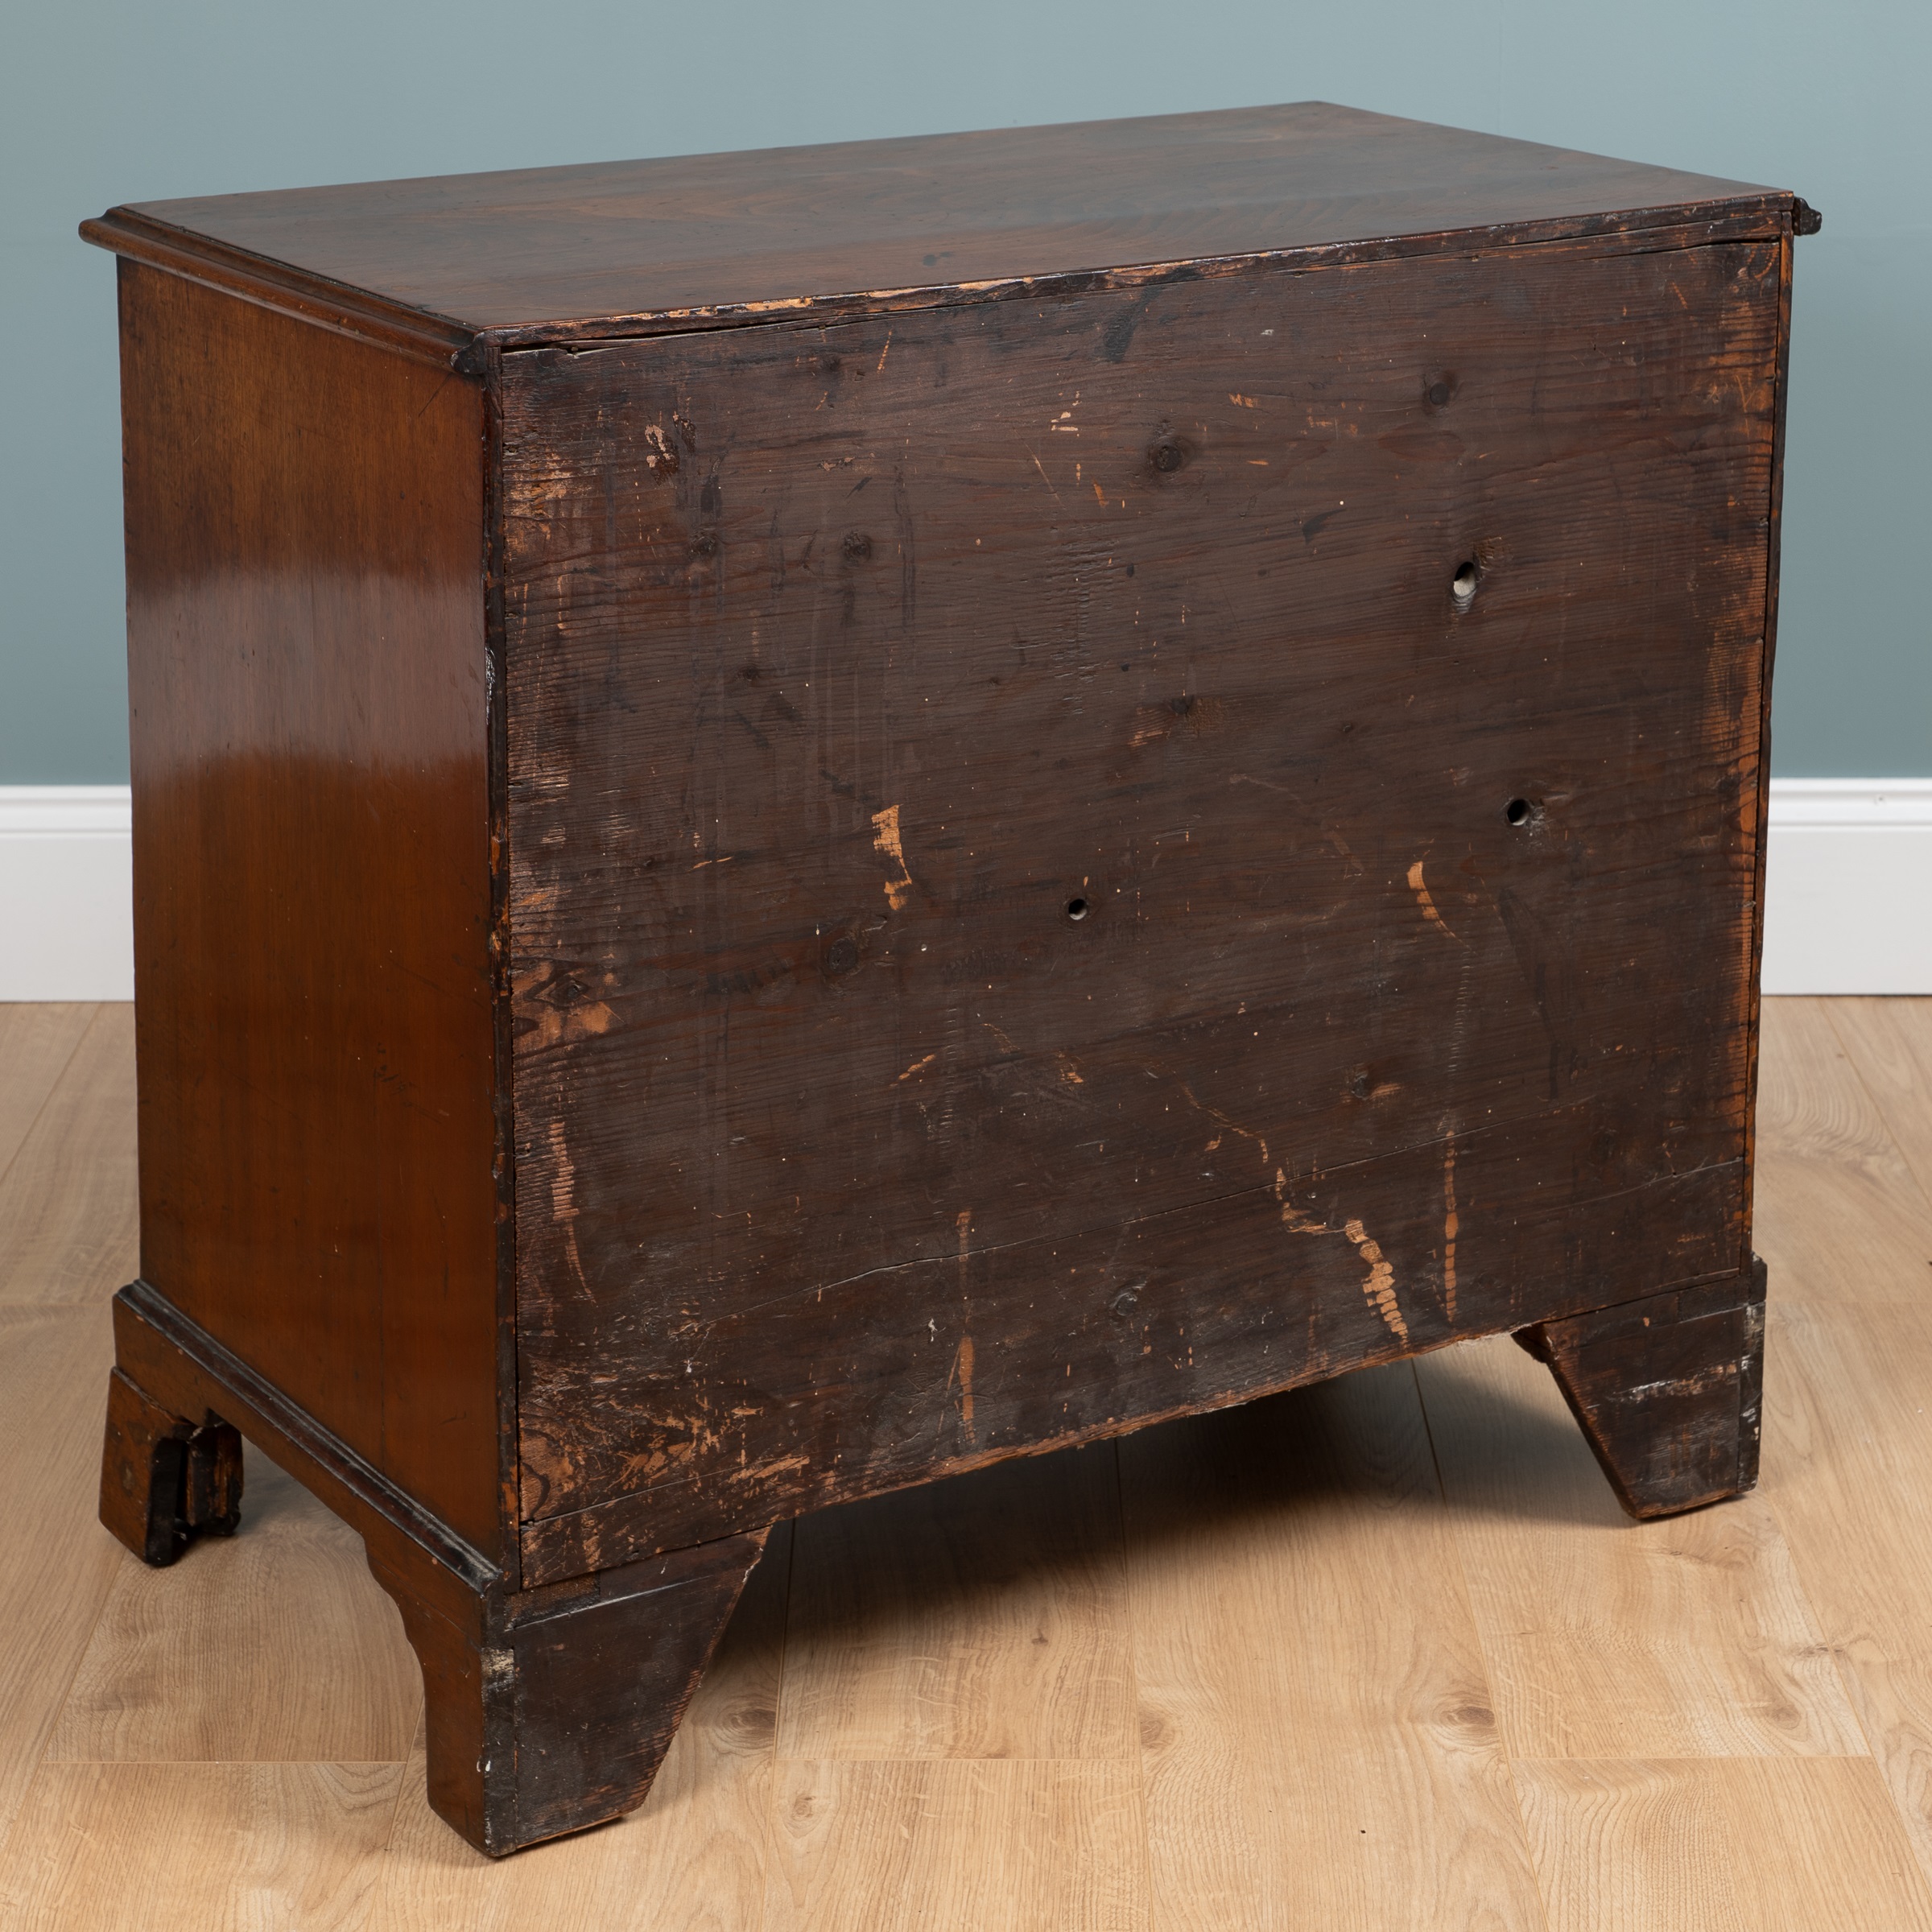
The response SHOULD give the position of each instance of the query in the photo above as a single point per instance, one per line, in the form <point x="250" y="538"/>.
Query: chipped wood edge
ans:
<point x="468" y="347"/>
<point x="619" y="1530"/>
<point x="1761" y="217"/>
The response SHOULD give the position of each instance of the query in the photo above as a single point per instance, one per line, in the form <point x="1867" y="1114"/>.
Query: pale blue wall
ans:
<point x="106" y="101"/>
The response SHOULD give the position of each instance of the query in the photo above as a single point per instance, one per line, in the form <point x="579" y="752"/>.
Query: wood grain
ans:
<point x="817" y="731"/>
<point x="982" y="1618"/>
<point x="1890" y="1043"/>
<point x="307" y="690"/>
<point x="1161" y="805"/>
<point x="198" y="1847"/>
<point x="692" y="1860"/>
<point x="1295" y="1544"/>
<point x="276" y="1645"/>
<point x="1766" y="1844"/>
<point x="796" y="233"/>
<point x="1849" y="1474"/>
<point x="1840" y="1216"/>
<point x="72" y="1226"/>
<point x="36" y="1041"/>
<point x="1668" y="1390"/>
<point x="1608" y="1638"/>
<point x="56" y="1564"/>
<point x="1025" y="1845"/>
<point x="1319" y="1741"/>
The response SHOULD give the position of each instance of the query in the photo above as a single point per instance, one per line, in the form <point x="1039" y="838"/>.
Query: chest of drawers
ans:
<point x="805" y="819"/>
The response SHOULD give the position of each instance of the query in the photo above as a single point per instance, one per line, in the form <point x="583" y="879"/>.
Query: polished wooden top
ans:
<point x="555" y="254"/>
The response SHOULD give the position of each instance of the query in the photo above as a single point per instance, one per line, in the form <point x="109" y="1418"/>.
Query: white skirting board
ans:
<point x="1847" y="907"/>
<point x="1848" y="886"/>
<point x="67" y="875"/>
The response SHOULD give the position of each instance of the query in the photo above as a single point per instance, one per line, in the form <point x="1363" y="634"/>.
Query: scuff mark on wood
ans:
<point x="660" y="452"/>
<point x="1295" y="1219"/>
<point x="885" y="838"/>
<point x="1216" y="1115"/>
<point x="563" y="1199"/>
<point x="1427" y="904"/>
<point x="558" y="1027"/>
<point x="963" y="1364"/>
<point x="1380" y="1287"/>
<point x="1045" y="479"/>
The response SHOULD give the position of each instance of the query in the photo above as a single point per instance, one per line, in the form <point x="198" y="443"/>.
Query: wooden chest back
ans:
<point x="1074" y="860"/>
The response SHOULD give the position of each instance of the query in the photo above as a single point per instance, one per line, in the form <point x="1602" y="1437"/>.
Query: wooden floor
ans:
<point x="1380" y="1654"/>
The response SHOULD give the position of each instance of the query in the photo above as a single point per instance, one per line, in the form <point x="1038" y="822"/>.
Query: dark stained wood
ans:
<point x="626" y="246"/>
<point x="164" y="1478"/>
<point x="604" y="1671"/>
<point x="1145" y="783"/>
<point x="549" y="1711"/>
<point x="312" y="872"/>
<point x="1668" y="1389"/>
<point x="211" y="1490"/>
<point x="841" y="666"/>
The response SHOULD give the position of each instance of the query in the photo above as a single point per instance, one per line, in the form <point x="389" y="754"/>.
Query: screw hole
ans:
<point x="1516" y="811"/>
<point x="1076" y="909"/>
<point x="1463" y="585"/>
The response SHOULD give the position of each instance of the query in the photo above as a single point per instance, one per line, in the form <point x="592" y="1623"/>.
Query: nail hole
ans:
<point x="1438" y="393"/>
<point x="1463" y="585"/>
<point x="1167" y="457"/>
<point x="858" y="546"/>
<point x="1516" y="811"/>
<point x="1076" y="909"/>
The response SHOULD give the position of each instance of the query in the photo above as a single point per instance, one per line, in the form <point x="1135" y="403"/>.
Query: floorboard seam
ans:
<point x="53" y="1087"/>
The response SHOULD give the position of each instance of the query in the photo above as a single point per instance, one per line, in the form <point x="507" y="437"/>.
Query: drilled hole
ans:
<point x="1462" y="584"/>
<point x="1516" y="811"/>
<point x="1076" y="909"/>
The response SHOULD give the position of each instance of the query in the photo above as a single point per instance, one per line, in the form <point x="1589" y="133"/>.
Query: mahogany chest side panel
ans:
<point x="1038" y="902"/>
<point x="305" y="544"/>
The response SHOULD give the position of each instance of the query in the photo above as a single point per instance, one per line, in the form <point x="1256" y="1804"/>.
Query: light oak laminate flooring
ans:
<point x="68" y="1218"/>
<point x="1379" y="1654"/>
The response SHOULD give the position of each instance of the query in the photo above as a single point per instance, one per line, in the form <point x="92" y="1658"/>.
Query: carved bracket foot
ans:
<point x="1667" y="1390"/>
<point x="166" y="1479"/>
<point x="550" y="1709"/>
